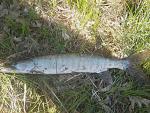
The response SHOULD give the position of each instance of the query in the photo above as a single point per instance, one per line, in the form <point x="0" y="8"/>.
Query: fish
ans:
<point x="65" y="63"/>
<point x="69" y="63"/>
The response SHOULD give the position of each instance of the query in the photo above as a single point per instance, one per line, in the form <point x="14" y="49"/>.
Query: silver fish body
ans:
<point x="63" y="64"/>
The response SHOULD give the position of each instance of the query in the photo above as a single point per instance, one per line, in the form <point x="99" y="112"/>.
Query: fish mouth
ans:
<point x="5" y="70"/>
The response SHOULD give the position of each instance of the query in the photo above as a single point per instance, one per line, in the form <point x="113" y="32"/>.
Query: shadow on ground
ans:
<point x="22" y="30"/>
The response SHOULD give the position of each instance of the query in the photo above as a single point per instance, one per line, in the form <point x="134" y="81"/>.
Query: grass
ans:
<point x="146" y="67"/>
<point x="87" y="10"/>
<point x="20" y="95"/>
<point x="137" y="28"/>
<point x="34" y="31"/>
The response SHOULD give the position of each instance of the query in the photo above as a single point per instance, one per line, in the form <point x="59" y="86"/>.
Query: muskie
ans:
<point x="64" y="64"/>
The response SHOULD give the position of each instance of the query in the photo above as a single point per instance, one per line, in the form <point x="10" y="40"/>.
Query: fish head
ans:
<point x="23" y="67"/>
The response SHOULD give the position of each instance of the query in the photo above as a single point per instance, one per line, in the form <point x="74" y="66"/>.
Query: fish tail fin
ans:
<point x="136" y="71"/>
<point x="138" y="58"/>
